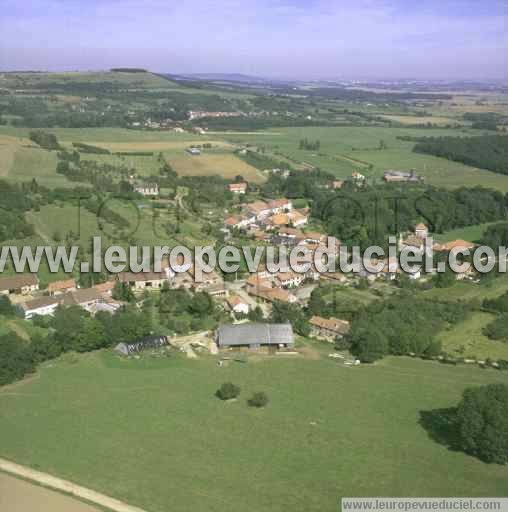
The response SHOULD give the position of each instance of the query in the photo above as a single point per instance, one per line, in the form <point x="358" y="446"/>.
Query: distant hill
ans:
<point x="226" y="77"/>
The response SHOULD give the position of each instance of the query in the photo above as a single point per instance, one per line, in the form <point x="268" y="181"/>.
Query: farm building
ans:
<point x="253" y="335"/>
<point x="238" y="188"/>
<point x="147" y="189"/>
<point x="402" y="176"/>
<point x="41" y="306"/>
<point x="328" y="328"/>
<point x="21" y="284"/>
<point x="134" y="347"/>
<point x="60" y="287"/>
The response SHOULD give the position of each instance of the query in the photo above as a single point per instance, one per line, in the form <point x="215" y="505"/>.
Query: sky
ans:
<point x="301" y="39"/>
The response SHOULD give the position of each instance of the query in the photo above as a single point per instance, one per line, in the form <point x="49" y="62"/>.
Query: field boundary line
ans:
<point x="65" y="486"/>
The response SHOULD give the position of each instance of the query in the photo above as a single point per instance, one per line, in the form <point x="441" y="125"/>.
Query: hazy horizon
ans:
<point x="291" y="39"/>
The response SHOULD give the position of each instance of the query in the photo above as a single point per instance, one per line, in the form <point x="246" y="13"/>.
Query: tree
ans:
<point x="482" y="418"/>
<point x="259" y="399"/>
<point x="255" y="314"/>
<point x="122" y="291"/>
<point x="6" y="308"/>
<point x="283" y="312"/>
<point x="16" y="360"/>
<point x="369" y="344"/>
<point x="227" y="391"/>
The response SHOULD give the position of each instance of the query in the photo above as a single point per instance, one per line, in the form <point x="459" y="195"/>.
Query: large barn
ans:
<point x="254" y="335"/>
<point x="134" y="347"/>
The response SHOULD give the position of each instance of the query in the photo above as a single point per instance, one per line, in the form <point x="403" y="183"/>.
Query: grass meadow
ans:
<point x="151" y="432"/>
<point x="344" y="149"/>
<point x="467" y="339"/>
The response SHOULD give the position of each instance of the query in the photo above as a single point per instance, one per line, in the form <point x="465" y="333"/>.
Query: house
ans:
<point x="313" y="237"/>
<point x="60" y="287"/>
<point x="456" y="246"/>
<point x="20" y="284"/>
<point x="238" y="305"/>
<point x="289" y="279"/>
<point x="292" y="235"/>
<point x="297" y="218"/>
<point x="239" y="221"/>
<point x="41" y="306"/>
<point x="337" y="184"/>
<point x="328" y="328"/>
<point x="254" y="335"/>
<point x="268" y="294"/>
<point x="412" y="241"/>
<point x="211" y="283"/>
<point x="193" y="151"/>
<point x="143" y="280"/>
<point x="421" y="231"/>
<point x="258" y="281"/>
<point x="105" y="289"/>
<point x="258" y="209"/>
<point x="147" y="189"/>
<point x="82" y="297"/>
<point x="238" y="188"/>
<point x="280" y="205"/>
<point x="357" y="177"/>
<point x="134" y="347"/>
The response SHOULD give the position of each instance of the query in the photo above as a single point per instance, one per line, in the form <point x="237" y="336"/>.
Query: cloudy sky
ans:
<point x="435" y="39"/>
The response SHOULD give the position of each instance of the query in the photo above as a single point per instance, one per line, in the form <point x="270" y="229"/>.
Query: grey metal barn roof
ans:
<point x="255" y="334"/>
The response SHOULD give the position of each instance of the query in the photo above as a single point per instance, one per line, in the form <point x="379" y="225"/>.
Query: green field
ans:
<point x="222" y="164"/>
<point x="467" y="340"/>
<point x="123" y="428"/>
<point x="344" y="149"/>
<point x="469" y="233"/>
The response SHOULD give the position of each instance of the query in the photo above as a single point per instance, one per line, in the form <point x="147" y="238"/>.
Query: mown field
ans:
<point x="222" y="164"/>
<point x="151" y="431"/>
<point x="412" y="120"/>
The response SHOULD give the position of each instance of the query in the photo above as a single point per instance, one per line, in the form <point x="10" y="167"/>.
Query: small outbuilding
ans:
<point x="128" y="348"/>
<point x="255" y="335"/>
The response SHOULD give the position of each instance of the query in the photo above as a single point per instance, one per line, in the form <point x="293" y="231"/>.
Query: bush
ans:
<point x="227" y="391"/>
<point x="258" y="399"/>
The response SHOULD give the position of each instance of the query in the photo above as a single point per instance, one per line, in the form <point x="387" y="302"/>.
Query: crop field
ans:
<point x="412" y="120"/>
<point x="344" y="149"/>
<point x="140" y="165"/>
<point x="127" y="425"/>
<point x="226" y="165"/>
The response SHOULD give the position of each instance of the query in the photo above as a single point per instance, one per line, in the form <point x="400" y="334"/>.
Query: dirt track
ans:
<point x="20" y="496"/>
<point x="53" y="483"/>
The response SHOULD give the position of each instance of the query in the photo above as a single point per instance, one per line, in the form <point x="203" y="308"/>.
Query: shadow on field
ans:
<point x="441" y="426"/>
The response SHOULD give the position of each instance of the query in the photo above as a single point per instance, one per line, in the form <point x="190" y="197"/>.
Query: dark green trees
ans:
<point x="482" y="419"/>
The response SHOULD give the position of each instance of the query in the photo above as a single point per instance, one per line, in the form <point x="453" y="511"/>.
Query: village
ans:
<point x="264" y="222"/>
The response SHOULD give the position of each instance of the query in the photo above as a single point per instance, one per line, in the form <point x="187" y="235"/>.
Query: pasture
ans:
<point x="470" y="233"/>
<point x="226" y="165"/>
<point x="467" y="339"/>
<point x="151" y="432"/>
<point x="344" y="149"/>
